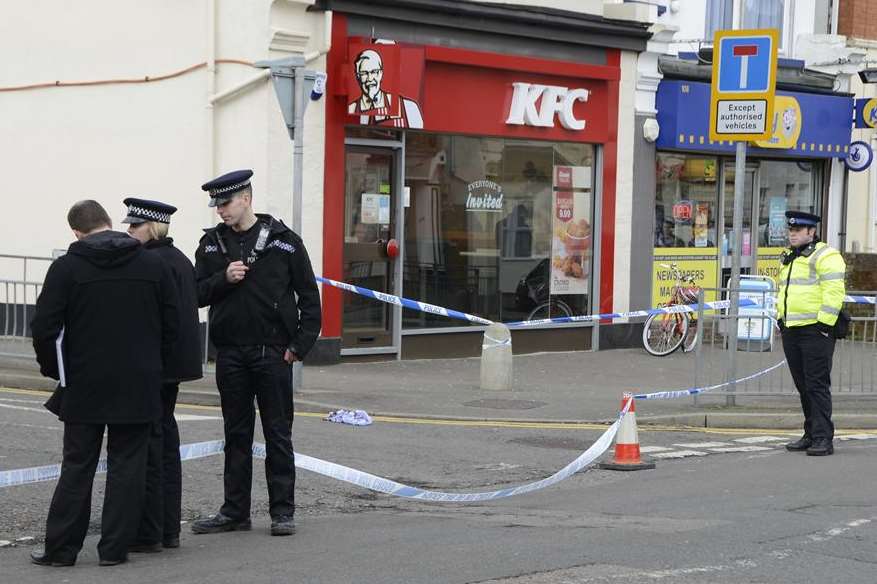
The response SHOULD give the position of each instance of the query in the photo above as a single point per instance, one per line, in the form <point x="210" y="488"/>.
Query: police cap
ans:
<point x="142" y="210"/>
<point x="223" y="188"/>
<point x="802" y="219"/>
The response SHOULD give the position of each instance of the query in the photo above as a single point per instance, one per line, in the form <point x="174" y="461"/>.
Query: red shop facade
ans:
<point x="482" y="181"/>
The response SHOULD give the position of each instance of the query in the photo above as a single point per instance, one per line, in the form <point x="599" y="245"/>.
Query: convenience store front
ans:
<point x="694" y="198"/>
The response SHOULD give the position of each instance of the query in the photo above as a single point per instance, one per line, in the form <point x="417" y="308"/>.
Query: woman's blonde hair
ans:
<point x="158" y="230"/>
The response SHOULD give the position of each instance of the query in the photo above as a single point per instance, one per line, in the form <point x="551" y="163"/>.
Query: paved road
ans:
<point x="720" y="508"/>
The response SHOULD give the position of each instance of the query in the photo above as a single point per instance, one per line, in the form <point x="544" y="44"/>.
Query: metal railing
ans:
<point x="759" y="348"/>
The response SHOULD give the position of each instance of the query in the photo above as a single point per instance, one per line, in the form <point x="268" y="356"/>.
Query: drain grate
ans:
<point x="506" y="404"/>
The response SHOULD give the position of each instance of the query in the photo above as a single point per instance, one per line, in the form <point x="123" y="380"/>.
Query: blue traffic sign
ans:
<point x="745" y="64"/>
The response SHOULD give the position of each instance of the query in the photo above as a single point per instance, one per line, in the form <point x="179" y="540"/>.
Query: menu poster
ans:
<point x="571" y="243"/>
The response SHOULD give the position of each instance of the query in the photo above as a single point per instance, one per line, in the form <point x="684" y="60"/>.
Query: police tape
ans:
<point x="11" y="478"/>
<point x="450" y="313"/>
<point x="674" y="394"/>
<point x="396" y="489"/>
<point x="50" y="472"/>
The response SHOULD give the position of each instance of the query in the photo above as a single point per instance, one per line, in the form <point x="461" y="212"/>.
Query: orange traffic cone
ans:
<point x="627" y="456"/>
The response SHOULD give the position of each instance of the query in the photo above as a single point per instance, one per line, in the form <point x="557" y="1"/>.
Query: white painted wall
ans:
<point x="624" y="182"/>
<point x="151" y="140"/>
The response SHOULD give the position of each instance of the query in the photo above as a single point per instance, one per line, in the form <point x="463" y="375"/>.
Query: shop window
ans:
<point x="785" y="185"/>
<point x="686" y="201"/>
<point x="498" y="228"/>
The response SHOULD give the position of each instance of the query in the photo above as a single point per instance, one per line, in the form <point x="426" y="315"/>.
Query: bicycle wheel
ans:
<point x="690" y="339"/>
<point x="553" y="309"/>
<point x="664" y="333"/>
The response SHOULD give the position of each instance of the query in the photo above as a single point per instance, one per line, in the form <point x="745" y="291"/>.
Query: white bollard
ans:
<point x="496" y="358"/>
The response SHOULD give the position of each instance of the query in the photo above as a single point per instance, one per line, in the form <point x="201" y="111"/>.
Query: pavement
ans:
<point x="570" y="387"/>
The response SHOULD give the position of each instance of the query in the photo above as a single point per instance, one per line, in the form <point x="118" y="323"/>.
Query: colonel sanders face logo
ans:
<point x="376" y="106"/>
<point x="369" y="73"/>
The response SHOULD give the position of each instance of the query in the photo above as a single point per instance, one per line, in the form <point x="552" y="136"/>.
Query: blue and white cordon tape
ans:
<point x="16" y="477"/>
<point x="433" y="309"/>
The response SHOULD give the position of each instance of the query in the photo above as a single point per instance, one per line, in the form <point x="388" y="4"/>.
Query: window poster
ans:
<point x="571" y="242"/>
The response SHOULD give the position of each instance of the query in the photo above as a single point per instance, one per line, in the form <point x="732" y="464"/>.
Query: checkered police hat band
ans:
<point x="229" y="189"/>
<point x="149" y="214"/>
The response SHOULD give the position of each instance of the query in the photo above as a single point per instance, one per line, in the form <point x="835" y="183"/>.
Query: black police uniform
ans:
<point x="105" y="287"/>
<point x="160" y="525"/>
<point x="252" y="323"/>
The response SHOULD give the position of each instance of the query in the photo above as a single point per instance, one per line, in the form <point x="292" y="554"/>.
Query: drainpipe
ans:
<point x="210" y="163"/>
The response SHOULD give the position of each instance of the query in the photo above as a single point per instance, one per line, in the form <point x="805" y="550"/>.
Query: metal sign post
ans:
<point x="741" y="109"/>
<point x="291" y="83"/>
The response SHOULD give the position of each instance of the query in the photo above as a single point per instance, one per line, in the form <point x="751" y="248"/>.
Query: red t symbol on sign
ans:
<point x="744" y="52"/>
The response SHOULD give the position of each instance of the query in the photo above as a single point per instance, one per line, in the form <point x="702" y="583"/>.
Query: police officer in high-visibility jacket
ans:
<point x="811" y="293"/>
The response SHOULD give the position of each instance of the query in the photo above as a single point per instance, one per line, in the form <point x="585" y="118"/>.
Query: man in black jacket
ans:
<point x="149" y="222"/>
<point x="116" y="307"/>
<point x="250" y="268"/>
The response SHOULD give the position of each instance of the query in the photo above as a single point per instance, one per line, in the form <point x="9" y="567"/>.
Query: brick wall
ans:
<point x="857" y="18"/>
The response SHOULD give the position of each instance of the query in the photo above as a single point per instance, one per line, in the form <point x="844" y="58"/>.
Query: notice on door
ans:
<point x="375" y="209"/>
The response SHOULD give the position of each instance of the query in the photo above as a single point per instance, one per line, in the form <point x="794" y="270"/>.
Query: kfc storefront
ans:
<point x="479" y="181"/>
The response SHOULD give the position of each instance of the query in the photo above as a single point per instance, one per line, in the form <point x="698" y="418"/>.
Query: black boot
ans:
<point x="220" y="523"/>
<point x="283" y="525"/>
<point x="800" y="445"/>
<point x="39" y="557"/>
<point x="821" y="447"/>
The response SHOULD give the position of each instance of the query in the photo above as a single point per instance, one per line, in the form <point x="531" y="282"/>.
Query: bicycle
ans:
<point x="664" y="333"/>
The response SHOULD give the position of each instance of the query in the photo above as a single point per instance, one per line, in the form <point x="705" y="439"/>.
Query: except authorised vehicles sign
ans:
<point x="743" y="84"/>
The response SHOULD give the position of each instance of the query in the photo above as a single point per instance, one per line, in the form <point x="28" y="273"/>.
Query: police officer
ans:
<point x="105" y="287"/>
<point x="149" y="222"/>
<point x="250" y="268"/>
<point x="811" y="294"/>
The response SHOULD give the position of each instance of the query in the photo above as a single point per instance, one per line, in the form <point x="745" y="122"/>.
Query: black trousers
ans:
<point x="70" y="510"/>
<point x="242" y="374"/>
<point x="809" y="354"/>
<point x="164" y="475"/>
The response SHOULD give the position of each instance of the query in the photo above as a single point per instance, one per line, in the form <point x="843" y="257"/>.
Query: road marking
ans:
<point x="194" y="418"/>
<point x="836" y="531"/>
<point x="648" y="449"/>
<point x="679" y="454"/>
<point x="643" y="428"/>
<point x="25" y="409"/>
<point x="760" y="439"/>
<point x="20" y="401"/>
<point x="702" y="444"/>
<point x="857" y="437"/>
<point x="741" y="449"/>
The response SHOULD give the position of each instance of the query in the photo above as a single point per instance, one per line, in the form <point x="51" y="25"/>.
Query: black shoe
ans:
<point x="800" y="445"/>
<point x="220" y="523"/>
<point x="171" y="541"/>
<point x="145" y="548"/>
<point x="283" y="525"/>
<point x="821" y="447"/>
<point x="104" y="562"/>
<point x="40" y="558"/>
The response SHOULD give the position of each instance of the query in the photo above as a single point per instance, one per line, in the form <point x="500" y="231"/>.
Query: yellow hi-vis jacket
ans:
<point x="811" y="288"/>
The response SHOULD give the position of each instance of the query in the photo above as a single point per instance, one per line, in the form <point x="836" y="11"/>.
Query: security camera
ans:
<point x="319" y="87"/>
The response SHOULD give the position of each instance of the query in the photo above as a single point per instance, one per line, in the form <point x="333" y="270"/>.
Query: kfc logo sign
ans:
<point x="537" y="105"/>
